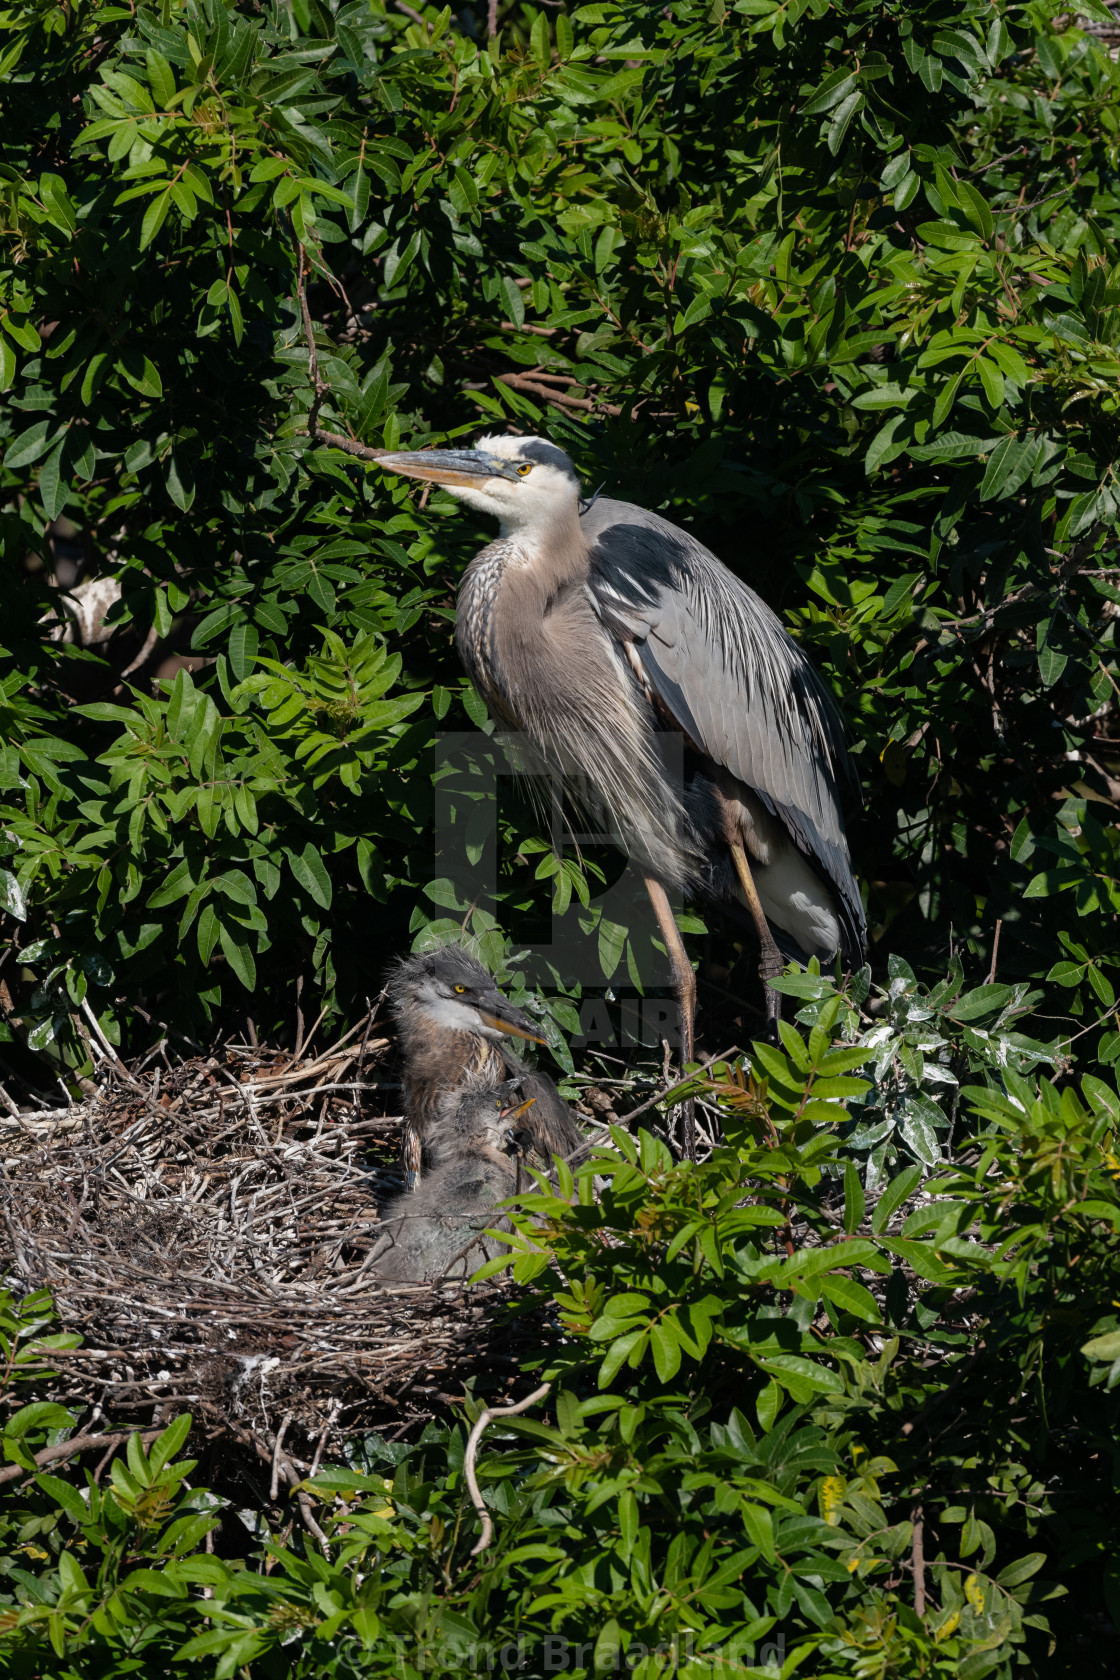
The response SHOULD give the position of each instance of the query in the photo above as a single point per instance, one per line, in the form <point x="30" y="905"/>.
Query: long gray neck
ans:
<point x="508" y="595"/>
<point x="551" y="541"/>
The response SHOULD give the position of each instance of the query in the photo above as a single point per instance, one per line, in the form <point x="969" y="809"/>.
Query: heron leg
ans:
<point x="771" y="963"/>
<point x="685" y="982"/>
<point x="410" y="1153"/>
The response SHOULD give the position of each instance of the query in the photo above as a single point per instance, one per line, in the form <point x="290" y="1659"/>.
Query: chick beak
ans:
<point x="509" y="1115"/>
<point x="459" y="468"/>
<point x="501" y="1016"/>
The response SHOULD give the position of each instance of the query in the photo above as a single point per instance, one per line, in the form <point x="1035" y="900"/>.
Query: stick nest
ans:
<point x="207" y="1227"/>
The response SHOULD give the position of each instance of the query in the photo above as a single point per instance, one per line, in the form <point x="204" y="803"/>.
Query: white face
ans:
<point x="533" y="494"/>
<point x="453" y="1013"/>
<point x="537" y="495"/>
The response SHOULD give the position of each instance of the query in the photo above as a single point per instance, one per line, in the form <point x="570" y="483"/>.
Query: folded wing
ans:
<point x="732" y="678"/>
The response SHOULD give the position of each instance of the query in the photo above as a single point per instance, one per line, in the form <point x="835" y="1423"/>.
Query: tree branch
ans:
<point x="321" y="387"/>
<point x="76" y="1444"/>
<point x="473" y="1440"/>
<point x="918" y="1561"/>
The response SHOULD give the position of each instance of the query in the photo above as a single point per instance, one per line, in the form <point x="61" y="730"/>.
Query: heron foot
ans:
<point x="773" y="1009"/>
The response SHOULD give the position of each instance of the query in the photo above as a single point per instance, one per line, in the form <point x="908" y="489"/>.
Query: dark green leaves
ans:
<point x="308" y="868"/>
<point x="893" y="1197"/>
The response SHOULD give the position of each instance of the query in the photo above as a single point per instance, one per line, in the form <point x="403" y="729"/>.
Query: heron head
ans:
<point x="449" y="989"/>
<point x="481" y="1115"/>
<point x="522" y="481"/>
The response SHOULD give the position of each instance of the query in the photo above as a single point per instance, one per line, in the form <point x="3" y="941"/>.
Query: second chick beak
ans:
<point x="509" y="1115"/>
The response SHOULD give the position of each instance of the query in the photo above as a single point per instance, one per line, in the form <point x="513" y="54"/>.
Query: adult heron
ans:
<point x="600" y="631"/>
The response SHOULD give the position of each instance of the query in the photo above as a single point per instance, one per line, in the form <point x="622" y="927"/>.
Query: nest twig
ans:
<point x="208" y="1232"/>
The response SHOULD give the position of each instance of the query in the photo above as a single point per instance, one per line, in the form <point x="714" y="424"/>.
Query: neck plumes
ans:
<point x="540" y="657"/>
<point x="515" y="597"/>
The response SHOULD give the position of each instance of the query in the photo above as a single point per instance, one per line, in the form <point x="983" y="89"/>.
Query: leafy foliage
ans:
<point x="828" y="275"/>
<point x="855" y="1434"/>
<point x="841" y="276"/>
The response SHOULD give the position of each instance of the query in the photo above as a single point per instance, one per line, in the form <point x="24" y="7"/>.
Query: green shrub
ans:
<point x="824" y="274"/>
<point x="861" y="1434"/>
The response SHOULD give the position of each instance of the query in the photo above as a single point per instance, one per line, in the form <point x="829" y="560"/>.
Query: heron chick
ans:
<point x="436" y="1229"/>
<point x="599" y="632"/>
<point x="454" y="1028"/>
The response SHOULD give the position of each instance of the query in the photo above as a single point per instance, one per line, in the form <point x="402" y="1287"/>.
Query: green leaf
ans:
<point x="798" y="1375"/>
<point x="666" y="1350"/>
<point x="893" y="1197"/>
<point x="53" y="488"/>
<point x="310" y="871"/>
<point x="1021" y="1570"/>
<point x="975" y="207"/>
<point x="236" y="950"/>
<point x="64" y="1494"/>
<point x="1051" y="660"/>
<point x="1010" y="464"/>
<point x="12" y="899"/>
<point x="851" y="1297"/>
<point x="164" y="1448"/>
<point x="539" y="44"/>
<point x="838" y="85"/>
<point x="854" y="1200"/>
<point x="1106" y="1347"/>
<point x="617" y="1353"/>
<point x="161" y="79"/>
<point x="982" y="1000"/>
<point x="154" y="218"/>
<point x="991" y="378"/>
<point x="29" y="445"/>
<point x="142" y="374"/>
<point x="241" y="649"/>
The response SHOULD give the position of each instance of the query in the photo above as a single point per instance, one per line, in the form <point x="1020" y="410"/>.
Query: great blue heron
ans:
<point x="597" y="632"/>
<point x="473" y="1140"/>
<point x="452" y="1021"/>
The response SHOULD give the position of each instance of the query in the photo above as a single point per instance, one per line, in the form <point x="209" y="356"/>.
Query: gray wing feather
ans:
<point x="731" y="676"/>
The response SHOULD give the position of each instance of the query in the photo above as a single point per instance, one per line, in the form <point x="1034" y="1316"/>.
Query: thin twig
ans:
<point x="485" y="1418"/>
<point x="681" y="1084"/>
<point x="308" y="1516"/>
<point x="995" y="951"/>
<point x="322" y="1441"/>
<point x="274" y="1487"/>
<point x="530" y="383"/>
<point x="320" y="386"/>
<point x="106" y="1046"/>
<point x="918" y="1561"/>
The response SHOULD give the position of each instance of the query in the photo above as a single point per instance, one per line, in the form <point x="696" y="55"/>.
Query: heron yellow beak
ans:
<point x="461" y="468"/>
<point x="519" y="1028"/>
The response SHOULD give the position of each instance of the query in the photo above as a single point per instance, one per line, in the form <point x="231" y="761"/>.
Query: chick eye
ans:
<point x="524" y="471"/>
<point x="460" y="988"/>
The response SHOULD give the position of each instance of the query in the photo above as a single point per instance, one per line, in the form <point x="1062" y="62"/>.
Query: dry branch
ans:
<point x="482" y="1421"/>
<point x="68" y="1449"/>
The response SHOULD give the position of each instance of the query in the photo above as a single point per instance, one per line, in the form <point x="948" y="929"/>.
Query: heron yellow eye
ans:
<point x="524" y="471"/>
<point x="460" y="988"/>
